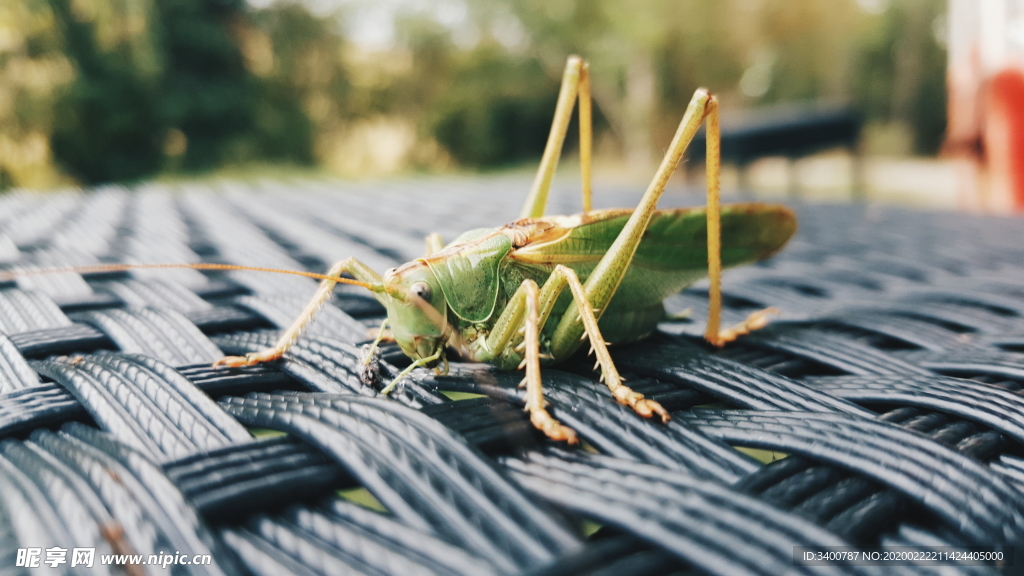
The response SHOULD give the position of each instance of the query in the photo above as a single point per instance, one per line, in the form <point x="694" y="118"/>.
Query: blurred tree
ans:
<point x="204" y="91"/>
<point x="901" y="74"/>
<point x="497" y="109"/>
<point x="620" y="40"/>
<point x="122" y="89"/>
<point x="176" y="73"/>
<point x="32" y="67"/>
<point x="108" y="125"/>
<point x="648" y="56"/>
<point x="433" y="59"/>
<point x="196" y="85"/>
<point x="303" y="84"/>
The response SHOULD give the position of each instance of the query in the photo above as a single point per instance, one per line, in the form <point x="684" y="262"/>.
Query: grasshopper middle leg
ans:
<point x="529" y="309"/>
<point x="535" y="403"/>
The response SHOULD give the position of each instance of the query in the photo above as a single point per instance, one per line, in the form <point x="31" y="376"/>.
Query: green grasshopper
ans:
<point x="499" y="295"/>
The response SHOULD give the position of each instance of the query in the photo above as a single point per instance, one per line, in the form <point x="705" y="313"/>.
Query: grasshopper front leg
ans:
<point x="359" y="270"/>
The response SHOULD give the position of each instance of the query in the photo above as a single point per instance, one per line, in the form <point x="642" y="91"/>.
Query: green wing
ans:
<point x="671" y="255"/>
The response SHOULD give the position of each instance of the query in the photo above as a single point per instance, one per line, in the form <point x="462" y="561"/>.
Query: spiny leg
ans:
<point x="518" y="327"/>
<point x="351" y="265"/>
<point x="604" y="280"/>
<point x="609" y="373"/>
<point x="519" y="312"/>
<point x="575" y="82"/>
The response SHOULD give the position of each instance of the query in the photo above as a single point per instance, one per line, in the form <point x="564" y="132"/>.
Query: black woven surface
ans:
<point x="888" y="394"/>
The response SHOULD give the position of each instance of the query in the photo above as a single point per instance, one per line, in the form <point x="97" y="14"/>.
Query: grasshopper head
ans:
<point x="417" y="312"/>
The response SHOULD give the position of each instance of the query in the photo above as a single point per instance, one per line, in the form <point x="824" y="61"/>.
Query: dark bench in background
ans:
<point x="792" y="131"/>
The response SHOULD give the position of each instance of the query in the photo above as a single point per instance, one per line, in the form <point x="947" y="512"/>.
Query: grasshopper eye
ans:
<point x="421" y="289"/>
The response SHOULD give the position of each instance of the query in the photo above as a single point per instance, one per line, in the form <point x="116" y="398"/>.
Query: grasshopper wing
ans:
<point x="671" y="255"/>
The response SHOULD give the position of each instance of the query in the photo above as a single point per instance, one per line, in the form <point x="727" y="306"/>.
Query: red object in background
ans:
<point x="1004" y="133"/>
<point x="985" y="77"/>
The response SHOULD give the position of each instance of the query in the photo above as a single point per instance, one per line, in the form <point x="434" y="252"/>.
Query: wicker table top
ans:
<point x="887" y="394"/>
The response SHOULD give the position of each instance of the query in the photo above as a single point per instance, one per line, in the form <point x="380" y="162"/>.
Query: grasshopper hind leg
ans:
<point x="575" y="86"/>
<point x="434" y="244"/>
<point x="757" y="320"/>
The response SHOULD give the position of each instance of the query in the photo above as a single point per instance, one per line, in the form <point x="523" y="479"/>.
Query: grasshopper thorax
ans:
<point x="417" y="312"/>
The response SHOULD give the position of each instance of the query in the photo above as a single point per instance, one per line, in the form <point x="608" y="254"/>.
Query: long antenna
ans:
<point x="8" y="275"/>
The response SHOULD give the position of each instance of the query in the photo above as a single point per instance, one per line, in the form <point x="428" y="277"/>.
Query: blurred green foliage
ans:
<point x="187" y="74"/>
<point x="901" y="71"/>
<point x="498" y="110"/>
<point x="105" y="124"/>
<point x="119" y="118"/>
<point x="119" y="90"/>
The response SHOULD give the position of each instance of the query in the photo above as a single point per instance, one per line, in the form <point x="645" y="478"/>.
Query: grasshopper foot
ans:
<point x="251" y="359"/>
<point x="648" y="408"/>
<point x="755" y="321"/>
<point x="551" y="428"/>
<point x="369" y="368"/>
<point x="642" y="406"/>
<point x="232" y="362"/>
